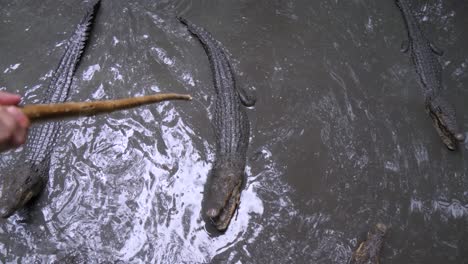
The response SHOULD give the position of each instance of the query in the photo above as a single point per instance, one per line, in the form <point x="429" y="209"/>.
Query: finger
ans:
<point x="18" y="133"/>
<point x="19" y="136"/>
<point x="9" y="98"/>
<point x="19" y="116"/>
<point x="7" y="126"/>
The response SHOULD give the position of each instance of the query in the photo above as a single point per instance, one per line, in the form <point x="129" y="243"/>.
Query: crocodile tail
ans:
<point x="84" y="27"/>
<point x="215" y="49"/>
<point x="198" y="31"/>
<point x="404" y="6"/>
<point x="183" y="20"/>
<point x="210" y="45"/>
<point x="401" y="4"/>
<point x="90" y="13"/>
<point x="78" y="40"/>
<point x="57" y="90"/>
<point x="190" y="26"/>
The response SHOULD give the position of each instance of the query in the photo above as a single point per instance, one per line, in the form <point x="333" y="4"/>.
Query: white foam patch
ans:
<point x="389" y="165"/>
<point x="12" y="68"/>
<point x="89" y="72"/>
<point x="47" y="75"/>
<point x="99" y="93"/>
<point x="176" y="66"/>
<point x="162" y="55"/>
<point x="115" y="41"/>
<point x="117" y="75"/>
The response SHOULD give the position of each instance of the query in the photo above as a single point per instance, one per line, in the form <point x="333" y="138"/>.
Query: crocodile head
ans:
<point x="368" y="250"/>
<point x="444" y="120"/>
<point x="223" y="194"/>
<point x="20" y="185"/>
<point x="381" y="229"/>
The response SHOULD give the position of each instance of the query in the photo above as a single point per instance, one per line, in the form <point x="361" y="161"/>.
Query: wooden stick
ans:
<point x="42" y="112"/>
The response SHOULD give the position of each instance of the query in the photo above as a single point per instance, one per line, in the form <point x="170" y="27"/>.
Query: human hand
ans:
<point x="13" y="123"/>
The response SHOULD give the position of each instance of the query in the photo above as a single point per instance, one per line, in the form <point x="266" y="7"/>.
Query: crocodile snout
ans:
<point x="6" y="212"/>
<point x="460" y="137"/>
<point x="212" y="213"/>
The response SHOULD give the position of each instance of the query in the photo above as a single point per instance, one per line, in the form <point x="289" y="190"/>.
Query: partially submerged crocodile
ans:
<point x="28" y="176"/>
<point x="423" y="55"/>
<point x="231" y="127"/>
<point x="368" y="251"/>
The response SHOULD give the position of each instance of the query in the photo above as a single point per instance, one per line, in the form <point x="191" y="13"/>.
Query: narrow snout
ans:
<point x="6" y="212"/>
<point x="460" y="137"/>
<point x="212" y="212"/>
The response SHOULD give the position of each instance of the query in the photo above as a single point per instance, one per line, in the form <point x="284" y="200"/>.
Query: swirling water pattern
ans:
<point x="339" y="140"/>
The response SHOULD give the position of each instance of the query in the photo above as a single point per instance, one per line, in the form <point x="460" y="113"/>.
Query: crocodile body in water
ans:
<point x="368" y="251"/>
<point x="231" y="127"/>
<point x="424" y="57"/>
<point x="26" y="178"/>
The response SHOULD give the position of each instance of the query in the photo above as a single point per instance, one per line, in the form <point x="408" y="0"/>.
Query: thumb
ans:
<point x="9" y="98"/>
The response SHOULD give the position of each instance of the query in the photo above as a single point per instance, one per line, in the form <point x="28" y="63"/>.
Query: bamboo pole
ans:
<point x="43" y="112"/>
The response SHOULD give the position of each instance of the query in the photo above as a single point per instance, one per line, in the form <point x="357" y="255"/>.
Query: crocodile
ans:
<point x="424" y="58"/>
<point x="368" y="251"/>
<point x="232" y="128"/>
<point x="28" y="176"/>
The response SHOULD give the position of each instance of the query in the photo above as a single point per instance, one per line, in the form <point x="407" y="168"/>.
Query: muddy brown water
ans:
<point x="340" y="139"/>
